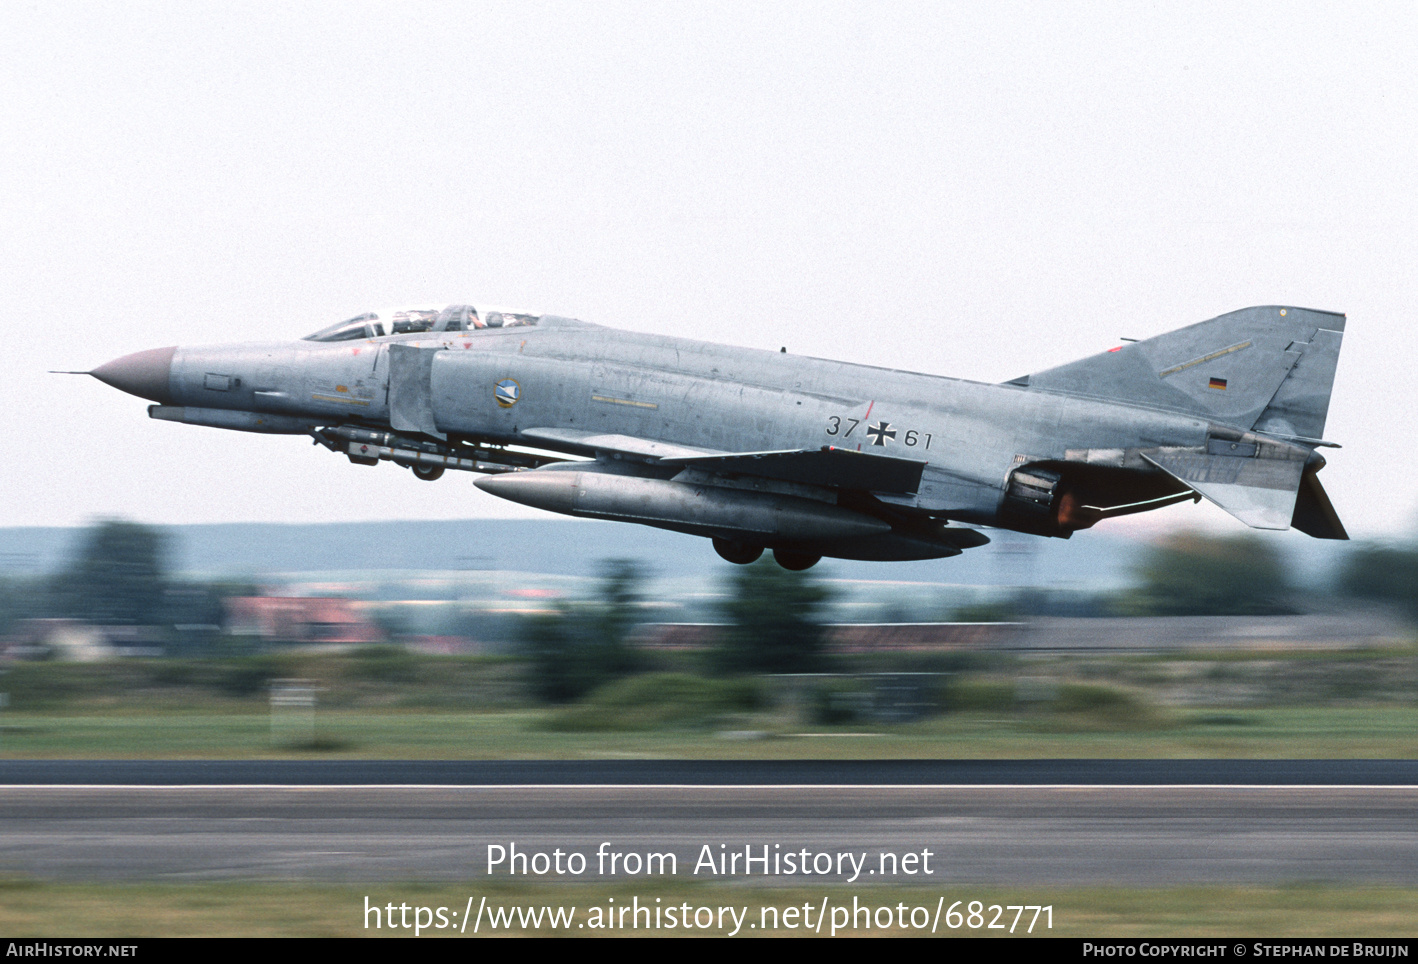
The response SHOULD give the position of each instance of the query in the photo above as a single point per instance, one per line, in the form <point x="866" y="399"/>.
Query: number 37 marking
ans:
<point x="844" y="427"/>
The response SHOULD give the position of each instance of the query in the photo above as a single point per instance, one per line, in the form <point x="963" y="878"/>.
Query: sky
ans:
<point x="973" y="190"/>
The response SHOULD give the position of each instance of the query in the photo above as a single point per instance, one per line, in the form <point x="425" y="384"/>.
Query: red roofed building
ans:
<point x="315" y="620"/>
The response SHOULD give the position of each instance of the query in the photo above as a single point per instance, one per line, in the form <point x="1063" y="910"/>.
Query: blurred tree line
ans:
<point x="773" y="623"/>
<point x="1189" y="574"/>
<point x="119" y="577"/>
<point x="1383" y="573"/>
<point x="575" y="650"/>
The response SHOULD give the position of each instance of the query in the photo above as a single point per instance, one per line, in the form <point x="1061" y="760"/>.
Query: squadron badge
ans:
<point x="506" y="392"/>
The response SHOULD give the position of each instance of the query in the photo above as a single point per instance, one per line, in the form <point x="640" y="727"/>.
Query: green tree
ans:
<point x="774" y="622"/>
<point x="21" y="599"/>
<point x="196" y="611"/>
<point x="1384" y="573"/>
<point x="572" y="652"/>
<point x="118" y="577"/>
<point x="617" y="615"/>
<point x="1189" y="574"/>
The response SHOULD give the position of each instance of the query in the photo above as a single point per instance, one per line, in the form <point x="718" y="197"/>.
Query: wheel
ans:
<point x="737" y="552"/>
<point x="429" y="473"/>
<point x="795" y="561"/>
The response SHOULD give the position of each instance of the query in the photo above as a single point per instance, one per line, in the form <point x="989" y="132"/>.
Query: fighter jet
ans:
<point x="806" y="457"/>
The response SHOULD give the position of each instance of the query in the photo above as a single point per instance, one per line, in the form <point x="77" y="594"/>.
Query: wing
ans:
<point x="591" y="443"/>
<point x="826" y="501"/>
<point x="831" y="467"/>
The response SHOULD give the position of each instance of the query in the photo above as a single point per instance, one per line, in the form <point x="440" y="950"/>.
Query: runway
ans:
<point x="196" y="820"/>
<point x="1113" y="772"/>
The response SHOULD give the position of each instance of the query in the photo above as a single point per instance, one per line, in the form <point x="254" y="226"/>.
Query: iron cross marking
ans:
<point x="880" y="432"/>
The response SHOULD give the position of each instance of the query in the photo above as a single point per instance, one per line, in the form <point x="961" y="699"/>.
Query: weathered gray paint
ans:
<point x="1230" y="409"/>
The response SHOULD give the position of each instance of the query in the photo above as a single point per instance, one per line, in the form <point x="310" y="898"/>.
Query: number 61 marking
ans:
<point x="911" y="439"/>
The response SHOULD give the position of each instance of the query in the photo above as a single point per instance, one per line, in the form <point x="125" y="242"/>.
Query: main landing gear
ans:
<point x="738" y="553"/>
<point x="795" y="561"/>
<point x="742" y="554"/>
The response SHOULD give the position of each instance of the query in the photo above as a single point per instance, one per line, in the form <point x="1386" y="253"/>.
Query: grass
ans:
<point x="203" y="909"/>
<point x="1320" y="732"/>
<point x="383" y="703"/>
<point x="658" y="701"/>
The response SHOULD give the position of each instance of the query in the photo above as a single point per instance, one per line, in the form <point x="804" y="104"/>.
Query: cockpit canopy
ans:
<point x="405" y="321"/>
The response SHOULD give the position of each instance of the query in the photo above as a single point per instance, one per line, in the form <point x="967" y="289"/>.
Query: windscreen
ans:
<point x="406" y="321"/>
<point x="366" y="325"/>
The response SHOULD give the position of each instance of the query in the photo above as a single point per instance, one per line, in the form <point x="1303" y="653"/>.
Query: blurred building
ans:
<point x="852" y="637"/>
<point x="1370" y="627"/>
<point x="75" y="641"/>
<point x="920" y="637"/>
<point x="444" y="645"/>
<point x="301" y="620"/>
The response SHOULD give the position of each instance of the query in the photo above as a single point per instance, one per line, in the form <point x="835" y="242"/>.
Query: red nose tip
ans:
<point x="144" y="373"/>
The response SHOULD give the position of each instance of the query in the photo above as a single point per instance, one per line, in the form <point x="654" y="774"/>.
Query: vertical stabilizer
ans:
<point x="1270" y="368"/>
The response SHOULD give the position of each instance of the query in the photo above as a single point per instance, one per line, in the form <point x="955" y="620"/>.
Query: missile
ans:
<point x="683" y="507"/>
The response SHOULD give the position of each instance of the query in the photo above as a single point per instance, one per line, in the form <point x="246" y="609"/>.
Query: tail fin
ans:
<point x="1270" y="369"/>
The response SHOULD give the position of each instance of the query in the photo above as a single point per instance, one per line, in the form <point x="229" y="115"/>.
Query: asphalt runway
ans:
<point x="1130" y="822"/>
<point x="709" y="772"/>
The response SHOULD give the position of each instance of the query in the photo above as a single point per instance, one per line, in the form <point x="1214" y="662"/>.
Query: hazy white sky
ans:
<point x="978" y="190"/>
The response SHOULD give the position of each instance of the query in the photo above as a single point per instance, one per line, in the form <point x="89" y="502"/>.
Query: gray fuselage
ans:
<point x="579" y="377"/>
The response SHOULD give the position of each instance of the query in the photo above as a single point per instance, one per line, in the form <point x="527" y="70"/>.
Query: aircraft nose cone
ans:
<point x="144" y="373"/>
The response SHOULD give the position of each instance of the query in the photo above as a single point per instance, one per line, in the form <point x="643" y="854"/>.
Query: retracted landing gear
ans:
<point x="429" y="473"/>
